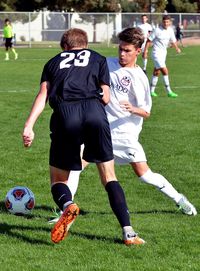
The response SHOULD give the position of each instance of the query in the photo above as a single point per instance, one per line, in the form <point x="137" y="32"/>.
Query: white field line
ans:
<point x="187" y="87"/>
<point x="26" y="90"/>
<point x="15" y="91"/>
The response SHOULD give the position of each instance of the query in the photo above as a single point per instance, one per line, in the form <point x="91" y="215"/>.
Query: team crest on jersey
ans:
<point x="126" y="80"/>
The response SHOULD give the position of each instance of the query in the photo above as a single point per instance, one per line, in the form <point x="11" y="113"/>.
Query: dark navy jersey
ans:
<point x="75" y="75"/>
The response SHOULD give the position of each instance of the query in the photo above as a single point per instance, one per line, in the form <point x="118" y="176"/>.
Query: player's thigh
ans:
<point x="97" y="137"/>
<point x="66" y="139"/>
<point x="159" y="60"/>
<point x="8" y="43"/>
<point x="127" y="151"/>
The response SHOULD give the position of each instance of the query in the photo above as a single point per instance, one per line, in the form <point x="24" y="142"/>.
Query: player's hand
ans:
<point x="178" y="50"/>
<point x="28" y="136"/>
<point x="126" y="106"/>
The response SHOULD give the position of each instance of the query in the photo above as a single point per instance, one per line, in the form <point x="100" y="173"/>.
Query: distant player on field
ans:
<point x="146" y="29"/>
<point x="8" y="38"/>
<point x="161" y="37"/>
<point x="76" y="83"/>
<point x="179" y="34"/>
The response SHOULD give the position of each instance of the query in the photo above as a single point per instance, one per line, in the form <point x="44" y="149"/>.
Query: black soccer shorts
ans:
<point x="75" y="123"/>
<point x="8" y="43"/>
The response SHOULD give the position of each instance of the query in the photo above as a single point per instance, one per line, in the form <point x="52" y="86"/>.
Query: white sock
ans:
<point x="127" y="229"/>
<point x="166" y="82"/>
<point x="162" y="184"/>
<point x="73" y="181"/>
<point x="144" y="64"/>
<point x="154" y="81"/>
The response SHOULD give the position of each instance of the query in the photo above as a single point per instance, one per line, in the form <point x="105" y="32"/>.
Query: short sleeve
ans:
<point x="104" y="75"/>
<point x="45" y="74"/>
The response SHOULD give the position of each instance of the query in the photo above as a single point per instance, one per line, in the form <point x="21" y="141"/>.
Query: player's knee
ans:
<point x="106" y="172"/>
<point x="156" y="73"/>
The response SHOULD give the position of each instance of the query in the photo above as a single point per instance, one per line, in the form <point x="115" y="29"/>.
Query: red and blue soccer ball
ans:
<point x="20" y="200"/>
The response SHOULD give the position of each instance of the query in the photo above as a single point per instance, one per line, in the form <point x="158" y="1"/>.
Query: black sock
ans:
<point x="118" y="202"/>
<point x="61" y="194"/>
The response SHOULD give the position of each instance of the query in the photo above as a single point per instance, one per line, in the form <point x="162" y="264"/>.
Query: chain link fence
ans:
<point x="45" y="28"/>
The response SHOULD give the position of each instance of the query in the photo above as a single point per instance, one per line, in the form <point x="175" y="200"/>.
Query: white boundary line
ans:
<point x="15" y="91"/>
<point x="25" y="90"/>
<point x="187" y="87"/>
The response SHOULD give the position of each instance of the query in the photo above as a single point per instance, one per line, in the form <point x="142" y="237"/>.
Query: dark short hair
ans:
<point x="74" y="37"/>
<point x="166" y="17"/>
<point x="7" y="20"/>
<point x="132" y="35"/>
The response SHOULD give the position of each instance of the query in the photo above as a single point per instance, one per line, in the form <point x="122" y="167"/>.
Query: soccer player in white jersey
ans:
<point x="130" y="103"/>
<point x="146" y="29"/>
<point x="160" y="38"/>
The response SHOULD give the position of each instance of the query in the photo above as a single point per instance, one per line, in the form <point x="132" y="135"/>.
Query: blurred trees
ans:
<point x="182" y="6"/>
<point x="102" y="5"/>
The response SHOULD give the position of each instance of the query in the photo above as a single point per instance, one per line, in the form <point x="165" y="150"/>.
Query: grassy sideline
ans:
<point x="171" y="141"/>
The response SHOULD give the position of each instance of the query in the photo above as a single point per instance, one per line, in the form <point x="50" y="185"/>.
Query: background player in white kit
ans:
<point x="146" y="29"/>
<point x="160" y="38"/>
<point x="130" y="102"/>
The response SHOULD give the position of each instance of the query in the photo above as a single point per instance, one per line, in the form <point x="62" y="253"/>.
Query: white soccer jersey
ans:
<point x="146" y="29"/>
<point x="161" y="39"/>
<point x="127" y="84"/>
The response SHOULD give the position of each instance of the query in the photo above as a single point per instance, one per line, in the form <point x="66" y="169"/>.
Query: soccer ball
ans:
<point x="20" y="200"/>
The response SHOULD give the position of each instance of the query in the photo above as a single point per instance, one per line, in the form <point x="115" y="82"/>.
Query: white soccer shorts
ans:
<point x="159" y="59"/>
<point x="127" y="151"/>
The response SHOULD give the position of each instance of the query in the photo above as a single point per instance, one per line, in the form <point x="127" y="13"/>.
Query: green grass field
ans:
<point x="170" y="138"/>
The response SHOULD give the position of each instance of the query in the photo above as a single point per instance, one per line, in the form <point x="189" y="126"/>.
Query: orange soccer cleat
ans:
<point x="61" y="228"/>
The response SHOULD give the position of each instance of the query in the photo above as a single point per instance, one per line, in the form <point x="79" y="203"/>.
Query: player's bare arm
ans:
<point x="37" y="108"/>
<point x="147" y="45"/>
<point x="127" y="106"/>
<point x="106" y="94"/>
<point x="175" y="45"/>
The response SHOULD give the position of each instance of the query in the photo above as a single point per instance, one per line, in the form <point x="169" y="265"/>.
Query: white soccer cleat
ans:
<point x="186" y="207"/>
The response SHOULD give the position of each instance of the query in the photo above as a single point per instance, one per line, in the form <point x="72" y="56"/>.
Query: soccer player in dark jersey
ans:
<point x="179" y="34"/>
<point x="76" y="84"/>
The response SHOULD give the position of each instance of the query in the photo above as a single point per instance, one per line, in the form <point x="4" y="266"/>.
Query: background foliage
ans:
<point x="102" y="5"/>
